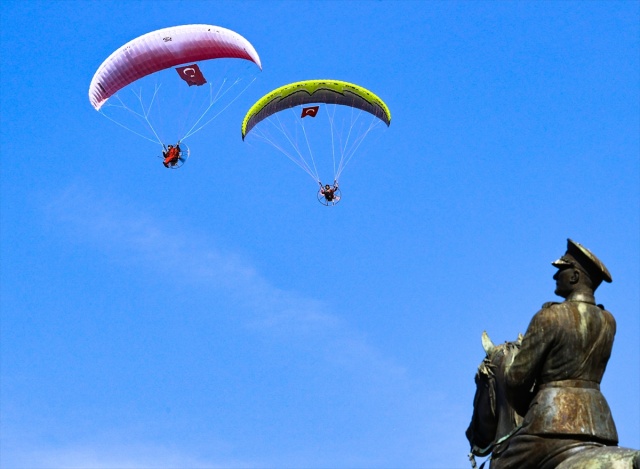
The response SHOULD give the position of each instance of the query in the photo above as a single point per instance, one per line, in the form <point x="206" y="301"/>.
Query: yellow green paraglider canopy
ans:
<point x="315" y="91"/>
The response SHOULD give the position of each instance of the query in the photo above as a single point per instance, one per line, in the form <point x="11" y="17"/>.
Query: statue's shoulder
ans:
<point x="549" y="313"/>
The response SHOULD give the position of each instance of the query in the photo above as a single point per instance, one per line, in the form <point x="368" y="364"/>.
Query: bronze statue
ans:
<point x="538" y="403"/>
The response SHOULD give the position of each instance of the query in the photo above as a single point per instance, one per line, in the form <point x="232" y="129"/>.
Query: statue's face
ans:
<point x="564" y="283"/>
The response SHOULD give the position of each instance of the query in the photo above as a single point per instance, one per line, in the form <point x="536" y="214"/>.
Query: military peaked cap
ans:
<point x="579" y="256"/>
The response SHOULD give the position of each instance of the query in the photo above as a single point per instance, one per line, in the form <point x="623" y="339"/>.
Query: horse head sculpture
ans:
<point x="493" y="418"/>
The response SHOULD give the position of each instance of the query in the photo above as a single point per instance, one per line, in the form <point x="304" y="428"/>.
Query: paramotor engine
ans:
<point x="309" y="120"/>
<point x="168" y="84"/>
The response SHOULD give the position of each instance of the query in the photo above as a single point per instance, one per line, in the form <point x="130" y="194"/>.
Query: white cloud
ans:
<point x="130" y="235"/>
<point x="116" y="226"/>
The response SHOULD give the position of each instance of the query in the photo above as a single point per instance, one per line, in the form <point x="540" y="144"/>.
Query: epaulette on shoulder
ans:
<point x="602" y="307"/>
<point x="549" y="304"/>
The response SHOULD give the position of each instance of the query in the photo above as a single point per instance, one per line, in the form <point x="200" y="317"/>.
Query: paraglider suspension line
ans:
<point x="331" y="117"/>
<point x="348" y="155"/>
<point x="313" y="161"/>
<point x="213" y="100"/>
<point x="144" y="116"/>
<point x="302" y="163"/>
<point x="282" y="150"/>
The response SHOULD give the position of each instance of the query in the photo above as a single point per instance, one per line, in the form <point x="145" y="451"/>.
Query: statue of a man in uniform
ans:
<point x="554" y="379"/>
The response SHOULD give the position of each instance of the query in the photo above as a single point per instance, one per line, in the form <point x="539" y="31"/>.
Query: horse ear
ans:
<point x="487" y="345"/>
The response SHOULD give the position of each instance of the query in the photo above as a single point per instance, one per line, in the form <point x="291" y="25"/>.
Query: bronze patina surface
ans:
<point x="551" y="378"/>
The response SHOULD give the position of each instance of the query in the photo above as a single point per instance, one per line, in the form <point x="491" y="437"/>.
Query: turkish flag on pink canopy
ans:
<point x="164" y="49"/>
<point x="192" y="75"/>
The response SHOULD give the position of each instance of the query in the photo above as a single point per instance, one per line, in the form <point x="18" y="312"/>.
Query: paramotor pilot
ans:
<point x="171" y="155"/>
<point x="329" y="192"/>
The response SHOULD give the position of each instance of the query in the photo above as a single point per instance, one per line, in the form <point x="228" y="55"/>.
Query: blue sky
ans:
<point x="217" y="316"/>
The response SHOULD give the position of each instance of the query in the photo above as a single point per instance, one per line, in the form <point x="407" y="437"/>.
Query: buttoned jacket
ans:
<point x="554" y="379"/>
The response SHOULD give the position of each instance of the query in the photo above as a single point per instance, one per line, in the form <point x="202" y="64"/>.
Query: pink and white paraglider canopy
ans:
<point x="163" y="49"/>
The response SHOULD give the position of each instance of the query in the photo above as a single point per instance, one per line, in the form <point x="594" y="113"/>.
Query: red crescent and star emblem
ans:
<point x="309" y="111"/>
<point x="192" y="75"/>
